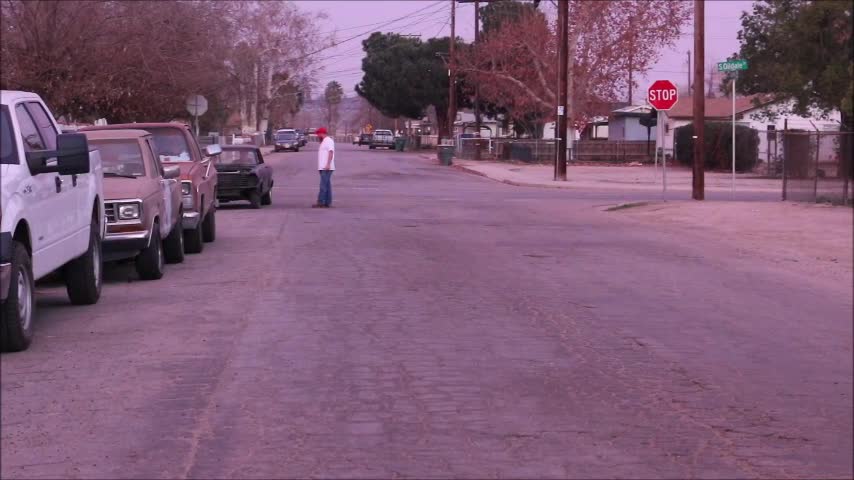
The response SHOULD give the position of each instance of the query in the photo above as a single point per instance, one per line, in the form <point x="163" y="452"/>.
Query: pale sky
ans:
<point x="431" y="18"/>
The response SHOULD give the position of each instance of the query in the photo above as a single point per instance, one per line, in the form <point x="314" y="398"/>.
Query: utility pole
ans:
<point x="698" y="190"/>
<point x="563" y="58"/>
<point x="452" y="73"/>
<point x="477" y="86"/>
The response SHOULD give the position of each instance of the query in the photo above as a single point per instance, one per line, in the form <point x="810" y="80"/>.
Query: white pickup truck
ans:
<point x="51" y="213"/>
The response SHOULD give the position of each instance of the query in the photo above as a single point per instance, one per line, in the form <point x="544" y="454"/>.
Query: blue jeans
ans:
<point x="324" y="197"/>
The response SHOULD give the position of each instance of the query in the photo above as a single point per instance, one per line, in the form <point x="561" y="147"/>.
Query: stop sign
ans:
<point x="662" y="94"/>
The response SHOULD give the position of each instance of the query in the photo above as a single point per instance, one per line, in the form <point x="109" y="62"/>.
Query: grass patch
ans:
<point x="624" y="206"/>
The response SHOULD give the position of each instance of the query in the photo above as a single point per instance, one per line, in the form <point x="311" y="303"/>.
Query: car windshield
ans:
<point x="237" y="157"/>
<point x="120" y="157"/>
<point x="284" y="136"/>
<point x="171" y="145"/>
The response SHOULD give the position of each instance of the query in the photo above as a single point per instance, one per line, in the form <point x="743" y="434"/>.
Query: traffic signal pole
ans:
<point x="563" y="59"/>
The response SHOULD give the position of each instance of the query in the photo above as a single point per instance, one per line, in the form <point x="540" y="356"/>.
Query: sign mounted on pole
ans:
<point x="197" y="105"/>
<point x="662" y="95"/>
<point x="732" y="65"/>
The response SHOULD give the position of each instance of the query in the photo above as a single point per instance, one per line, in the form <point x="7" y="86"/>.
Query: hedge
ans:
<point x="718" y="146"/>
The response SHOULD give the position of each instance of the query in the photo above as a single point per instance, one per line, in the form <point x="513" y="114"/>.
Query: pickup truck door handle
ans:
<point x="58" y="182"/>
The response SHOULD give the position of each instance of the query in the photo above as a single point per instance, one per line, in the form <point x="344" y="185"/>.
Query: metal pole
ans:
<point x="689" y="71"/>
<point x="452" y="88"/>
<point x="477" y="86"/>
<point x="785" y="154"/>
<point x="733" y="134"/>
<point x="563" y="58"/>
<point x="663" y="158"/>
<point x="817" y="148"/>
<point x="698" y="186"/>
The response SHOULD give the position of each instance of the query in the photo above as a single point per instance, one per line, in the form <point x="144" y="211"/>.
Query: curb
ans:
<point x="509" y="182"/>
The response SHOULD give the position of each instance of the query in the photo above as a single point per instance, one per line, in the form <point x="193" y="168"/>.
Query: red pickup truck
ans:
<point x="176" y="145"/>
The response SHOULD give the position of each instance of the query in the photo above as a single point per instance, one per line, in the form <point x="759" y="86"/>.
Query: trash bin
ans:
<point x="399" y="143"/>
<point x="446" y="153"/>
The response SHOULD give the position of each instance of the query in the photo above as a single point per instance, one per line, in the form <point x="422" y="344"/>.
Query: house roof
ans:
<point x="719" y="108"/>
<point x="632" y="110"/>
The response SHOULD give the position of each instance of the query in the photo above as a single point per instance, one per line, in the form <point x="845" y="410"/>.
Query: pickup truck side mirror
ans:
<point x="171" y="172"/>
<point x="72" y="156"/>
<point x="213" y="150"/>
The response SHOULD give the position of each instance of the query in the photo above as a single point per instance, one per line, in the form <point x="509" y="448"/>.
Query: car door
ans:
<point x="168" y="187"/>
<point x="76" y="186"/>
<point x="52" y="221"/>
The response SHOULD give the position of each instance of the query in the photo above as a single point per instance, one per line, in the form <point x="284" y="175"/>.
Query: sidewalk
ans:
<point x="643" y="178"/>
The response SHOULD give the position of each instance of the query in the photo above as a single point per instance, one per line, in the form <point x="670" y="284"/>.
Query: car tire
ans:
<point x="16" y="312"/>
<point x="255" y="199"/>
<point x="209" y="226"/>
<point x="371" y="147"/>
<point x="150" y="262"/>
<point x="83" y="274"/>
<point x="193" y="242"/>
<point x="267" y="198"/>
<point x="173" y="246"/>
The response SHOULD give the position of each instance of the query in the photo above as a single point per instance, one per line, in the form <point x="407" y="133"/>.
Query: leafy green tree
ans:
<point x="495" y="14"/>
<point x="799" y="49"/>
<point x="403" y="76"/>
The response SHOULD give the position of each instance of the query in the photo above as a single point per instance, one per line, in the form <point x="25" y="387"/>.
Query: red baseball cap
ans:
<point x="320" y="131"/>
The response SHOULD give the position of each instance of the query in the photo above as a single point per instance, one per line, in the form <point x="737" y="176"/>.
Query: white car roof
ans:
<point x="286" y="130"/>
<point x="8" y="97"/>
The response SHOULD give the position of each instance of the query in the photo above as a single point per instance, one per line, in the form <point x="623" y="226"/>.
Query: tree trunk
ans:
<point x="266" y="99"/>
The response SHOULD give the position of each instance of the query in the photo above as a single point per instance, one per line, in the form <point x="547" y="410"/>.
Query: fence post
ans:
<point x="815" y="185"/>
<point x="785" y="154"/>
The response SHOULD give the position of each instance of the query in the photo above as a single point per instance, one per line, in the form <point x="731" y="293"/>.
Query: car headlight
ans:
<point x="129" y="211"/>
<point x="186" y="188"/>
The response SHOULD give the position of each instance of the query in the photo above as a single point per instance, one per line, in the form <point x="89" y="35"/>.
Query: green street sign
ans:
<point x="732" y="65"/>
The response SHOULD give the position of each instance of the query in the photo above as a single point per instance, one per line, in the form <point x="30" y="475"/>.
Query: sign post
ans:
<point x="197" y="105"/>
<point x="733" y="66"/>
<point x="662" y="95"/>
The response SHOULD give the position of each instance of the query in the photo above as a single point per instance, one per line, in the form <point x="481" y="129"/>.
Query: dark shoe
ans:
<point x="317" y="205"/>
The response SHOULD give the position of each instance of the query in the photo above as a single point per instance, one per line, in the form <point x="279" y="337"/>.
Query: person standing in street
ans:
<point x="326" y="165"/>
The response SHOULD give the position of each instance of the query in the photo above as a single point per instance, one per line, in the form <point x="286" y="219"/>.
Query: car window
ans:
<point x="171" y="145"/>
<point x="149" y="144"/>
<point x="237" y="157"/>
<point x="44" y="124"/>
<point x="120" y="157"/>
<point x="29" y="132"/>
<point x="8" y="147"/>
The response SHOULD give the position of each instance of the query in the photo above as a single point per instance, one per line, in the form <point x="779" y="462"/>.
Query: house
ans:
<point x="760" y="112"/>
<point x="489" y="127"/>
<point x="624" y="124"/>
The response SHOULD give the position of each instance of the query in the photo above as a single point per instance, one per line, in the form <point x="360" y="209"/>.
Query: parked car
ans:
<point x="176" y="146"/>
<point x="382" y="139"/>
<point x="364" y="139"/>
<point x="51" y="213"/>
<point x="286" y="139"/>
<point x="142" y="201"/>
<point x="303" y="141"/>
<point x="243" y="175"/>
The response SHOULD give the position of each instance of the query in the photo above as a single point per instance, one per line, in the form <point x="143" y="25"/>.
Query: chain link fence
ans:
<point x="813" y="166"/>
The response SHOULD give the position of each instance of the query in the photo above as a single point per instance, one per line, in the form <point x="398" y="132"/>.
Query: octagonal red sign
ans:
<point x="662" y="94"/>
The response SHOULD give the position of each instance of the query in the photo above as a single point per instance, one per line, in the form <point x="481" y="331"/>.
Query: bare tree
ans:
<point x="516" y="64"/>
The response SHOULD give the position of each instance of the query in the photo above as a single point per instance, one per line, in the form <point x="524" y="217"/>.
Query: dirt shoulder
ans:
<point x="813" y="239"/>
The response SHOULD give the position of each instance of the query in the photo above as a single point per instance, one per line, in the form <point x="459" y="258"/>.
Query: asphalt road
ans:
<point x="437" y="324"/>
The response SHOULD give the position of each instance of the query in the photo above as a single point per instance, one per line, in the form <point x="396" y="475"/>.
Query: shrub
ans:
<point x="718" y="146"/>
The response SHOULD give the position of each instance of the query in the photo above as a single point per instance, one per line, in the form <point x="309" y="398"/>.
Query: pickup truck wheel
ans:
<point x="209" y="226"/>
<point x="193" y="242"/>
<point x="173" y="246"/>
<point x="16" y="312"/>
<point x="83" y="274"/>
<point x="267" y="198"/>
<point x="255" y="199"/>
<point x="150" y="262"/>
<point x="371" y="147"/>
